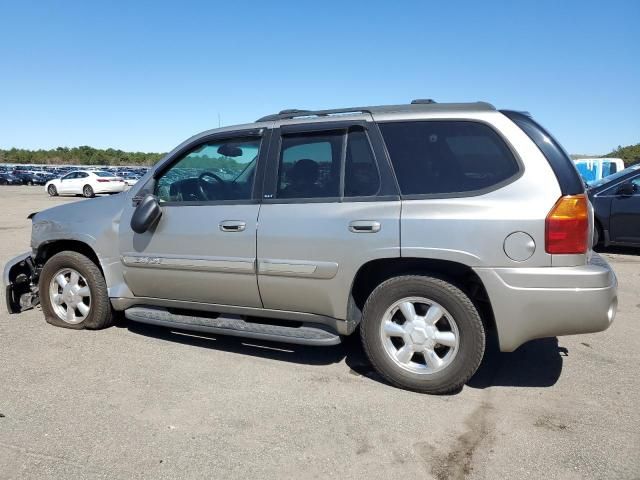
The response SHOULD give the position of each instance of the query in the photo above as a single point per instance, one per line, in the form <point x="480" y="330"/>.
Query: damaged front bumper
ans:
<point x="20" y="279"/>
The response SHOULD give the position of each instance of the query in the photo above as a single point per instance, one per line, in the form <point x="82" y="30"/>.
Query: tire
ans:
<point x="99" y="314"/>
<point x="52" y="191"/>
<point x="597" y="234"/>
<point x="459" y="320"/>
<point x="87" y="191"/>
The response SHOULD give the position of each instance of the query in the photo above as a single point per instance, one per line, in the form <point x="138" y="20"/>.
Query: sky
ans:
<point x="146" y="75"/>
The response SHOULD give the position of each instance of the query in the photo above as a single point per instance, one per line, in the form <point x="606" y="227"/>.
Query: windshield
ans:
<point x="103" y="174"/>
<point x="615" y="176"/>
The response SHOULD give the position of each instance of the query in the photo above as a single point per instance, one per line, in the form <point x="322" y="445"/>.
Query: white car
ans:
<point x="130" y="179"/>
<point x="86" y="183"/>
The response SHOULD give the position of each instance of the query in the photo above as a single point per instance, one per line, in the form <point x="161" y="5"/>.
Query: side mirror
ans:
<point x="146" y="214"/>
<point x="626" y="189"/>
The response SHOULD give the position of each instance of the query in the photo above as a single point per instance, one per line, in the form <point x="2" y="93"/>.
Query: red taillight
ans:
<point x="567" y="225"/>
<point x="103" y="180"/>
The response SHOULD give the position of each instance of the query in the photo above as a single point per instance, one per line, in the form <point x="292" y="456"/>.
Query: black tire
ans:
<point x="100" y="314"/>
<point x="87" y="191"/>
<point x="52" y="191"/>
<point x="470" y="327"/>
<point x="597" y="234"/>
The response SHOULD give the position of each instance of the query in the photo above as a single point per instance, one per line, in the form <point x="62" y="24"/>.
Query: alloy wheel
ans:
<point x="70" y="296"/>
<point x="419" y="335"/>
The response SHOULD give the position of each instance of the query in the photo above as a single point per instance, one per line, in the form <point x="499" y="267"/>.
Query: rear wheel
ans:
<point x="51" y="189"/>
<point x="87" y="191"/>
<point x="423" y="334"/>
<point x="73" y="293"/>
<point x="597" y="234"/>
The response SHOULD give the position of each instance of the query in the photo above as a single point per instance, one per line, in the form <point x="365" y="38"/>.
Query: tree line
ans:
<point x="86" y="155"/>
<point x="630" y="154"/>
<point x="83" y="155"/>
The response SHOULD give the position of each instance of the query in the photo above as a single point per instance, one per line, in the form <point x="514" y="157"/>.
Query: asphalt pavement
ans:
<point x="136" y="401"/>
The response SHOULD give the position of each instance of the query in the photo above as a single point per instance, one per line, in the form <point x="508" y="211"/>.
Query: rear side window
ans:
<point x="310" y="165"/>
<point x="444" y="157"/>
<point x="316" y="164"/>
<point x="361" y="176"/>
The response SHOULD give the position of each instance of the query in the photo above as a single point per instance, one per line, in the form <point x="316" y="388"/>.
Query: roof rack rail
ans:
<point x="293" y="113"/>
<point x="289" y="111"/>
<point x="418" y="104"/>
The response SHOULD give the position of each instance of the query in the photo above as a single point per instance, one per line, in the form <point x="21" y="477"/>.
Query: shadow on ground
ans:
<point x="535" y="364"/>
<point x="635" y="251"/>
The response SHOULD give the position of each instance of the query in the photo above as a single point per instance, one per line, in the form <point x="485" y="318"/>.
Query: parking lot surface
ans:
<point x="136" y="401"/>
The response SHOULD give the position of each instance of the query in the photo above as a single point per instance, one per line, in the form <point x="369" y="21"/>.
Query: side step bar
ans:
<point x="307" y="334"/>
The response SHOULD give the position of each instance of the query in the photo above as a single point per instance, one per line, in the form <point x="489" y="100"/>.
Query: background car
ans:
<point x="616" y="204"/>
<point x="86" y="183"/>
<point x="130" y="178"/>
<point x="7" y="178"/>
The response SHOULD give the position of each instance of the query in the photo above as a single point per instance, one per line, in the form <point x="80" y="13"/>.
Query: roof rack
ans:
<point x="294" y="113"/>
<point x="415" y="105"/>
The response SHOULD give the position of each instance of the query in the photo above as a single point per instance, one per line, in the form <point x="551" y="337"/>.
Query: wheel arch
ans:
<point x="47" y="250"/>
<point x="374" y="272"/>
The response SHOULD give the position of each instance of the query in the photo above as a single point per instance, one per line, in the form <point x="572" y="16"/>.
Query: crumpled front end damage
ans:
<point x="20" y="280"/>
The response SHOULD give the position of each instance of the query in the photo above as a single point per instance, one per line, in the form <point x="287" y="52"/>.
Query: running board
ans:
<point x="307" y="334"/>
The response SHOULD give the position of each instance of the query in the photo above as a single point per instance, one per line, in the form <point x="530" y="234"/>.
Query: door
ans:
<point x="203" y="248"/>
<point x="67" y="183"/>
<point x="624" y="222"/>
<point x="327" y="210"/>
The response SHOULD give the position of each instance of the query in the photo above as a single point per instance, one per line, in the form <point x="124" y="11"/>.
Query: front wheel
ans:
<point x="87" y="191"/>
<point x="422" y="334"/>
<point x="73" y="292"/>
<point x="51" y="189"/>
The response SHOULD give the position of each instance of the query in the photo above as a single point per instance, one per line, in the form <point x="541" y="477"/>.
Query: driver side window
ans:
<point x="213" y="171"/>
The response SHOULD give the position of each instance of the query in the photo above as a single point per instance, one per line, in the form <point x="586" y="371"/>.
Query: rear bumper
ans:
<point x="530" y="303"/>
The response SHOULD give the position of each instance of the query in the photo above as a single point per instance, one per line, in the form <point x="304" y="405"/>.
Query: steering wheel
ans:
<point x="203" y="186"/>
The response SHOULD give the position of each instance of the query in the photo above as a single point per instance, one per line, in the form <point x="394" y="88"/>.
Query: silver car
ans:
<point x="424" y="227"/>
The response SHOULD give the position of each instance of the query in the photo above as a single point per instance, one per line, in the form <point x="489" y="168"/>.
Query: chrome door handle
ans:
<point x="364" y="226"/>
<point x="232" y="226"/>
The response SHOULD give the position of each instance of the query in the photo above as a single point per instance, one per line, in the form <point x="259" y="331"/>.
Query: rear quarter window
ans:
<point x="435" y="157"/>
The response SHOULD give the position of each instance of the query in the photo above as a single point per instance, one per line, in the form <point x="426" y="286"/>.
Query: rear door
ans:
<point x="78" y="183"/>
<point x="330" y="205"/>
<point x="624" y="222"/>
<point x="203" y="248"/>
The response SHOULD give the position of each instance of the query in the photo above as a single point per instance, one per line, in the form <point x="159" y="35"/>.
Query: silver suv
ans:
<point x="427" y="227"/>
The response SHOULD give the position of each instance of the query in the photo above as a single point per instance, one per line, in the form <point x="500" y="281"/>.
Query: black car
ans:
<point x="616" y="201"/>
<point x="8" y="179"/>
<point x="32" y="178"/>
